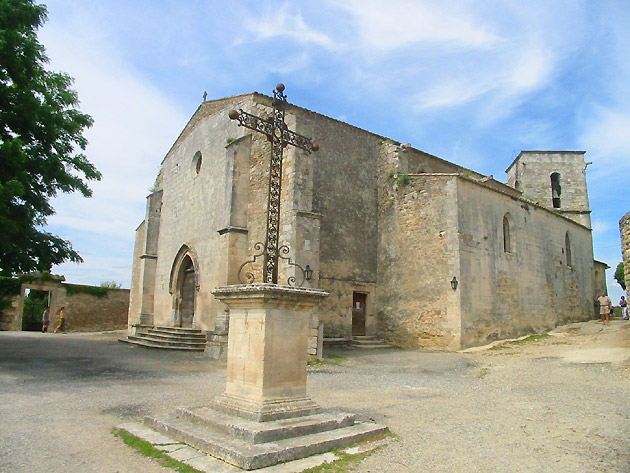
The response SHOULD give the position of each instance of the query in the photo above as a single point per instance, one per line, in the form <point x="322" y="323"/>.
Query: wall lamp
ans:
<point x="308" y="272"/>
<point x="454" y="283"/>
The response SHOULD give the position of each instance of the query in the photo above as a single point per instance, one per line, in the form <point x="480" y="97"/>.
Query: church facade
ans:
<point x="410" y="247"/>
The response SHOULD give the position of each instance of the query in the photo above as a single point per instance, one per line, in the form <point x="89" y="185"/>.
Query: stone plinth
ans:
<point x="264" y="417"/>
<point x="267" y="351"/>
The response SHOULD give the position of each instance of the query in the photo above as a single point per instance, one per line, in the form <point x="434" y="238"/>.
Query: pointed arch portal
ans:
<point x="183" y="287"/>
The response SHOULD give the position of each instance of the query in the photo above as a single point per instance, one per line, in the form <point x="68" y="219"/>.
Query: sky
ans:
<point x="471" y="81"/>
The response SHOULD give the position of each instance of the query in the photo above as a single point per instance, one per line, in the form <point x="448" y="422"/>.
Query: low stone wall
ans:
<point x="89" y="313"/>
<point x="87" y="308"/>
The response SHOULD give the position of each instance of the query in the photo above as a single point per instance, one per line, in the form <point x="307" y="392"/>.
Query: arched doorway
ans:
<point x="186" y="294"/>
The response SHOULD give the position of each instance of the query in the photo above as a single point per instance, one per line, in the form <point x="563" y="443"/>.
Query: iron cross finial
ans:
<point x="280" y="136"/>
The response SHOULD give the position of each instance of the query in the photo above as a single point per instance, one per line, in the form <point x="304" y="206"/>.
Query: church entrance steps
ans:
<point x="170" y="338"/>
<point x="252" y="445"/>
<point x="368" y="342"/>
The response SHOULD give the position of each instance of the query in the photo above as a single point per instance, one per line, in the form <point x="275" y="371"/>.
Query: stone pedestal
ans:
<point x="267" y="351"/>
<point x="264" y="417"/>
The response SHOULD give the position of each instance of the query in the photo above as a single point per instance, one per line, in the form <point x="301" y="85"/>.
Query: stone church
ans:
<point x="411" y="248"/>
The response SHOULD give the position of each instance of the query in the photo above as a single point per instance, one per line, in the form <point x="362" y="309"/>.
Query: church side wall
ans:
<point x="529" y="288"/>
<point x="417" y="259"/>
<point x="195" y="206"/>
<point x="344" y="193"/>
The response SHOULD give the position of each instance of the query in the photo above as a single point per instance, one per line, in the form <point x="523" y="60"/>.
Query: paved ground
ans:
<point x="561" y="404"/>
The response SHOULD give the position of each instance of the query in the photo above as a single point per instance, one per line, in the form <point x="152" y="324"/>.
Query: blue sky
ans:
<point x="471" y="81"/>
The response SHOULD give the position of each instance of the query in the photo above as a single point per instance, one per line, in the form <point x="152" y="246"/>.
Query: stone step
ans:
<point x="170" y="336"/>
<point x="336" y="341"/>
<point x="368" y="342"/>
<point x="178" y="330"/>
<point x="262" y="432"/>
<point x="167" y="342"/>
<point x="253" y="456"/>
<point x="144" y="343"/>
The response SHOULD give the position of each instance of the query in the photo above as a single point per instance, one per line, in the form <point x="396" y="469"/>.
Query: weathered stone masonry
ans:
<point x="373" y="218"/>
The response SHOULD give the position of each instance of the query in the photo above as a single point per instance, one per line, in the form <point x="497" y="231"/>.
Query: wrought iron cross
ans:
<point x="280" y="137"/>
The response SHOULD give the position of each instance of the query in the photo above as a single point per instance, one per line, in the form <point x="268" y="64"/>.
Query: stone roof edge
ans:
<point x="541" y="152"/>
<point x="601" y="262"/>
<point x="376" y="135"/>
<point x="231" y="98"/>
<point x="503" y="192"/>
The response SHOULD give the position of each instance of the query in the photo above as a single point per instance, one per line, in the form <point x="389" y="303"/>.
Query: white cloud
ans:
<point x="600" y="227"/>
<point x="134" y="126"/>
<point x="281" y="22"/>
<point x="607" y="138"/>
<point x="388" y="25"/>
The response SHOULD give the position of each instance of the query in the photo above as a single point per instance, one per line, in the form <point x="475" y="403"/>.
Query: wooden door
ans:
<point x="187" y="306"/>
<point x="358" y="313"/>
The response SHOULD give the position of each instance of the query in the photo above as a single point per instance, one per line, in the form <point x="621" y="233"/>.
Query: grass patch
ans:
<point x="522" y="341"/>
<point x="315" y="364"/>
<point x="146" y="449"/>
<point x="531" y="338"/>
<point x="338" y="359"/>
<point x="348" y="462"/>
<point x="345" y="463"/>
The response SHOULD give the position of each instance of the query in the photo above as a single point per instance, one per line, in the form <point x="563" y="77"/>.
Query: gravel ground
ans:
<point x="559" y="404"/>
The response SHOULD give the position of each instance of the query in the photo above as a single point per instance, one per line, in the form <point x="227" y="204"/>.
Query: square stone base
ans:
<point x="251" y="445"/>
<point x="265" y="410"/>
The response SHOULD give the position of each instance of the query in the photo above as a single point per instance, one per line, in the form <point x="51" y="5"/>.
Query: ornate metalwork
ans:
<point x="277" y="132"/>
<point x="248" y="277"/>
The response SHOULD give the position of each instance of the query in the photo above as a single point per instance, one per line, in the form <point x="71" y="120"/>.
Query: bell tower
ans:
<point x="555" y="179"/>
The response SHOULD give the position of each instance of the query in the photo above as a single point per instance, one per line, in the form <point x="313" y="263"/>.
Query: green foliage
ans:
<point x="146" y="449"/>
<point x="229" y="141"/>
<point x="34" y="305"/>
<point x="9" y="287"/>
<point x="40" y="132"/>
<point x="402" y="180"/>
<point x="620" y="276"/>
<point x="338" y="359"/>
<point x="110" y="284"/>
<point x="81" y="289"/>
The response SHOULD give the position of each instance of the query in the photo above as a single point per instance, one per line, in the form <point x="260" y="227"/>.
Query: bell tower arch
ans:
<point x="555" y="179"/>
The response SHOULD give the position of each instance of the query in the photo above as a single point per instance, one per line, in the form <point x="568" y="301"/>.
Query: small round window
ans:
<point x="196" y="162"/>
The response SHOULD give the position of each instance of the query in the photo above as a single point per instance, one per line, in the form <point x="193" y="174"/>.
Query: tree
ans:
<point x="41" y="139"/>
<point x="620" y="275"/>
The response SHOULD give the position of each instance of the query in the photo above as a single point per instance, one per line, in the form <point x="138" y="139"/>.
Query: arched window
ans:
<point x="556" y="190"/>
<point x="507" y="244"/>
<point x="567" y="249"/>
<point x="196" y="163"/>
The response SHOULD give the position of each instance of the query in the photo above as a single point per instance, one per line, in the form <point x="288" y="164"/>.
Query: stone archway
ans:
<point x="186" y="294"/>
<point x="184" y="286"/>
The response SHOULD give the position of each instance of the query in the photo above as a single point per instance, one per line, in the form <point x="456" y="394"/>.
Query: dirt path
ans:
<point x="555" y="405"/>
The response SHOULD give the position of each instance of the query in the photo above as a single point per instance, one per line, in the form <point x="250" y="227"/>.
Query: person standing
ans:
<point x="46" y="319"/>
<point x="623" y="303"/>
<point x="61" y="325"/>
<point x="604" y="307"/>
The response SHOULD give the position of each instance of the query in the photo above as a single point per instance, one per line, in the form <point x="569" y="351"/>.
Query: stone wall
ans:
<point x="196" y="181"/>
<point x="89" y="313"/>
<point x="533" y="284"/>
<point x="624" y="228"/>
<point x="84" y="310"/>
<point x="531" y="174"/>
<point x="335" y="197"/>
<point x="417" y="258"/>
